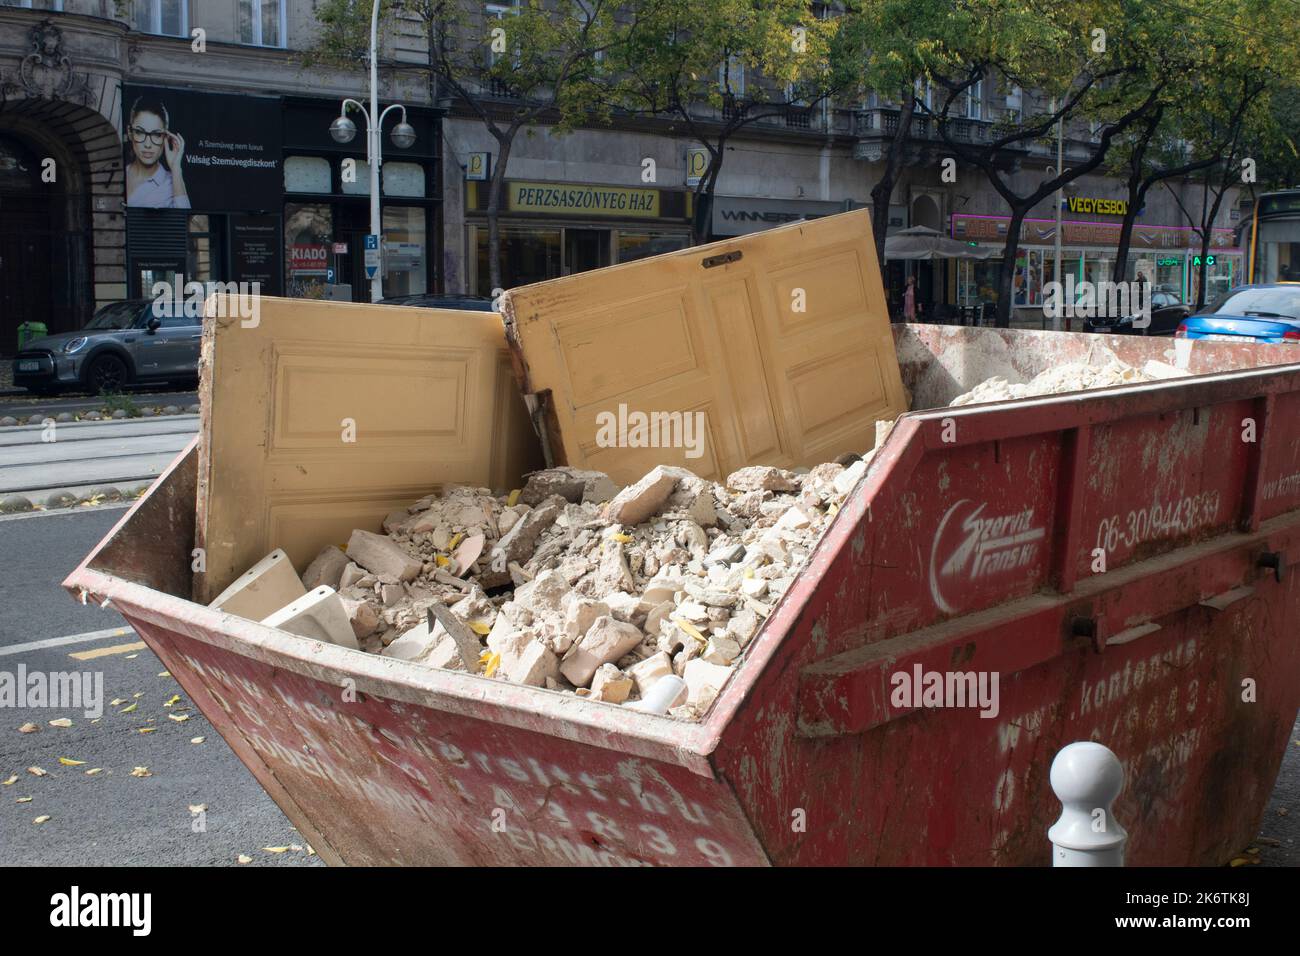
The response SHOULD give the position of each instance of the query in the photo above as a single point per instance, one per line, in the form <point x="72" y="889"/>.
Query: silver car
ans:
<point x="123" y="344"/>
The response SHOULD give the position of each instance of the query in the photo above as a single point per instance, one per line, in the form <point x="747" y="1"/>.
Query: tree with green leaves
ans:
<point x="714" y="68"/>
<point x="1077" y="72"/>
<point x="536" y="63"/>
<point x="890" y="48"/>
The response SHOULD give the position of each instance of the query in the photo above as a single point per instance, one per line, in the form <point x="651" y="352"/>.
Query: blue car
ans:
<point x="1268" y="312"/>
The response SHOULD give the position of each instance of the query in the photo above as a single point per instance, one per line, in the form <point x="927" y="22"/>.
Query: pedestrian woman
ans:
<point x="154" y="177"/>
<point x="909" y="300"/>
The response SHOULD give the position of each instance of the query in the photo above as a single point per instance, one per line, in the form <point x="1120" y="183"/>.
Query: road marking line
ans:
<point x="70" y="639"/>
<point x="106" y="651"/>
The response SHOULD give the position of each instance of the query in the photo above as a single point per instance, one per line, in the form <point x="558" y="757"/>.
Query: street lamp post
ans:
<point x="344" y="131"/>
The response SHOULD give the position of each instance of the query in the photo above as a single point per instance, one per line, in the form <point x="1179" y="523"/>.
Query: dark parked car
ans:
<point x="123" y="344"/>
<point x="1167" y="313"/>
<point x="442" y="300"/>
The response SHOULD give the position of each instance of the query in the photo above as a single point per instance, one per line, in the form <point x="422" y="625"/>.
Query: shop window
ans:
<point x="403" y="179"/>
<point x="262" y="22"/>
<point x="308" y="237"/>
<point x="405" y="250"/>
<point x="163" y="17"/>
<point x="527" y="255"/>
<point x="633" y="246"/>
<point x="307" y="174"/>
<point x="499" y="11"/>
<point x="358" y="185"/>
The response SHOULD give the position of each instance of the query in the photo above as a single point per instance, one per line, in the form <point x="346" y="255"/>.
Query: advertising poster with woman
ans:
<point x="203" y="151"/>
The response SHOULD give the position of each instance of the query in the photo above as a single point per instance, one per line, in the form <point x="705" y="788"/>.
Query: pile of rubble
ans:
<point x="574" y="585"/>
<point x="1071" y="377"/>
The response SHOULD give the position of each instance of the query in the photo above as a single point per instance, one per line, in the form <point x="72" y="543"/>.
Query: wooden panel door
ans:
<point x="326" y="416"/>
<point x="778" y="344"/>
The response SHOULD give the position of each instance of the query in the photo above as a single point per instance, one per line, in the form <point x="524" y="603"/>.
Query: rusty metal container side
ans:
<point x="779" y="340"/>
<point x="974" y="544"/>
<point x="429" y="766"/>
<point x="321" y="417"/>
<point x="378" y="761"/>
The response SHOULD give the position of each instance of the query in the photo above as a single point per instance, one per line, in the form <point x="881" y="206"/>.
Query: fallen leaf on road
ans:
<point x="164" y="673"/>
<point x="310" y="851"/>
<point x="198" y="807"/>
<point x="41" y="819"/>
<point x="36" y="772"/>
<point x="146" y="730"/>
<point x="276" y="849"/>
<point x="127" y="710"/>
<point x="174" y="699"/>
<point x="69" y="762"/>
<point x="94" y="770"/>
<point x="179" y="718"/>
<point x="196" y="740"/>
<point x="141" y="772"/>
<point x="117" y="702"/>
<point x="61" y="722"/>
<point x="294" y="846"/>
<point x="130" y="657"/>
<point x="23" y="800"/>
<point x="244" y="858"/>
<point x="12" y="780"/>
<point x="138" y="696"/>
<point x="28" y="729"/>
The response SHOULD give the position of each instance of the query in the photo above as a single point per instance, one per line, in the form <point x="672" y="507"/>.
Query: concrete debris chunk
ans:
<point x="381" y="555"/>
<point x="762" y="478"/>
<point x="703" y="682"/>
<point x="610" y="684"/>
<point x="639" y="502"/>
<point x="326" y="569"/>
<point x="605" y="641"/>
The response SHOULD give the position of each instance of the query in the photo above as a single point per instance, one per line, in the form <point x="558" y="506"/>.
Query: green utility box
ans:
<point x="30" y="330"/>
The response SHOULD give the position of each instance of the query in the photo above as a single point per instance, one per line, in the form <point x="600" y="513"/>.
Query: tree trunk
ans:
<point x="1007" y="274"/>
<point x="1207" y="236"/>
<point x="883" y="191"/>
<point x="495" y="187"/>
<point x="700" y="227"/>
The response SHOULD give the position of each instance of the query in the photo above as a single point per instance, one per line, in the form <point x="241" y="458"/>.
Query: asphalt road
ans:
<point x="112" y="818"/>
<point x="86" y="454"/>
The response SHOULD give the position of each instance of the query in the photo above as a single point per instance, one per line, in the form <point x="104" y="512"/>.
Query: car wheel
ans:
<point x="108" y="373"/>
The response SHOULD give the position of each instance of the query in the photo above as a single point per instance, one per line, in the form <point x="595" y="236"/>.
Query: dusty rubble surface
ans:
<point x="575" y="585"/>
<point x="1071" y="377"/>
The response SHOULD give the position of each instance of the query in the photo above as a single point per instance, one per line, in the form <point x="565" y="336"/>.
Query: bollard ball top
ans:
<point x="1088" y="774"/>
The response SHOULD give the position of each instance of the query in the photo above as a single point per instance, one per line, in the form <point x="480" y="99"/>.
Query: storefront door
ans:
<point x="585" y="249"/>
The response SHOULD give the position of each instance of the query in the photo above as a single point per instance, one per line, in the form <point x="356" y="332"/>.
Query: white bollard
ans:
<point x="1086" y="777"/>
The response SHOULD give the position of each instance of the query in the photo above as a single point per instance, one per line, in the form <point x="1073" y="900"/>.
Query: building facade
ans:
<point x="165" y="139"/>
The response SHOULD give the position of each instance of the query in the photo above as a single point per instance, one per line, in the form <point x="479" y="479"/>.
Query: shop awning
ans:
<point x="922" y="242"/>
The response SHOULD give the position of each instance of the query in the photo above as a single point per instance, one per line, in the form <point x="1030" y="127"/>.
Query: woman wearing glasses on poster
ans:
<point x="154" y="177"/>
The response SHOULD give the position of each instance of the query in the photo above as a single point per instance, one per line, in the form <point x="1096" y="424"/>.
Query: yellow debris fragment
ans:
<point x="493" y="663"/>
<point x="141" y="772"/>
<point x="94" y="770"/>
<point x="69" y="762"/>
<point x="41" y="819"/>
<point x="11" y="781"/>
<point x="61" y="722"/>
<point x="129" y="708"/>
<point x="37" y="772"/>
<point x="481" y="628"/>
<point x="514" y="498"/>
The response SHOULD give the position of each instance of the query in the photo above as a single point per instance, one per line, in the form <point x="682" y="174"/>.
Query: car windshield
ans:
<point x="119" y="315"/>
<point x="1266" y="303"/>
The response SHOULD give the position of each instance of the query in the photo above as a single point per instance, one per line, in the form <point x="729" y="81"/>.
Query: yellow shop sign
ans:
<point x="1092" y="205"/>
<point x="562" y="199"/>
